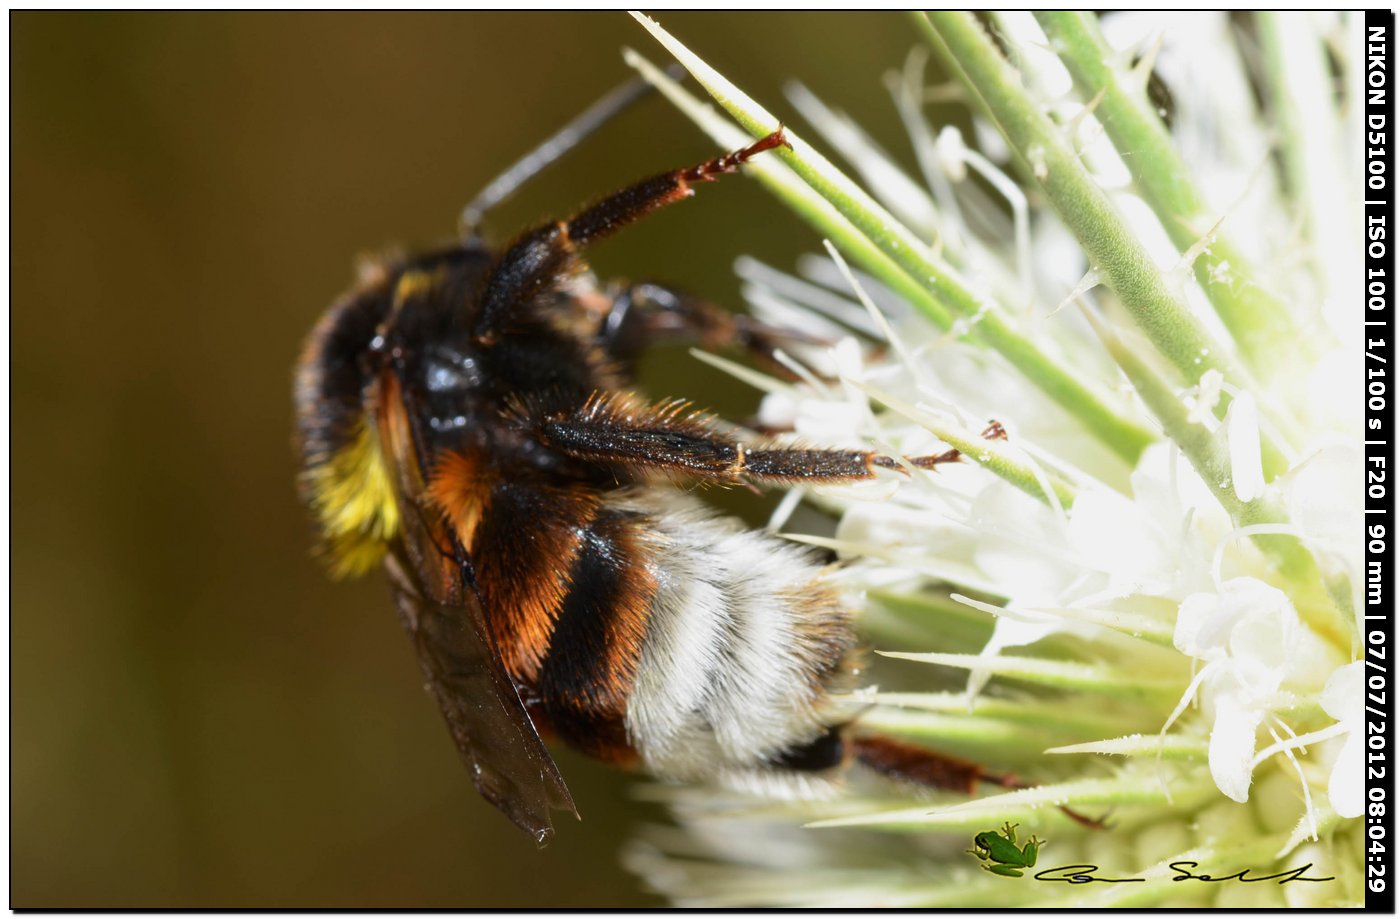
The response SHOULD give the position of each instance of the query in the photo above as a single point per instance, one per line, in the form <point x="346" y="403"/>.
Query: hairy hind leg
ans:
<point x="911" y="763"/>
<point x="541" y="256"/>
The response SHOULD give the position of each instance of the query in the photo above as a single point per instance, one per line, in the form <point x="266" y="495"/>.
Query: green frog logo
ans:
<point x="999" y="850"/>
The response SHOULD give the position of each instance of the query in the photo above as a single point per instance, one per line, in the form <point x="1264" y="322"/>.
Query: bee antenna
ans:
<point x="618" y="100"/>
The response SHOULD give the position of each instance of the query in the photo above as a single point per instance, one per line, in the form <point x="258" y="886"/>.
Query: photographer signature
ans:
<point x="1084" y="874"/>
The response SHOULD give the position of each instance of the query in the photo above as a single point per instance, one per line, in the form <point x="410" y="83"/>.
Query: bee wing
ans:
<point x="508" y="762"/>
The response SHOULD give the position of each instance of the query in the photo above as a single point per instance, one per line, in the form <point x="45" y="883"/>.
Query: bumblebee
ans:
<point x="466" y="418"/>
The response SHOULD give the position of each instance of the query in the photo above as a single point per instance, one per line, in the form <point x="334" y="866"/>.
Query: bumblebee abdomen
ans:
<point x="645" y="627"/>
<point x="591" y="671"/>
<point x="743" y="643"/>
<point x="563" y="580"/>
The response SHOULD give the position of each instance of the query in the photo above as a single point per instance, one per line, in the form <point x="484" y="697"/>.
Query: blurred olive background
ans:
<point x="199" y="716"/>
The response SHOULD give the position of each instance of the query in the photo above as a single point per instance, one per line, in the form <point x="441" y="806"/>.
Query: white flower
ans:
<point x="1342" y="698"/>
<point x="1246" y="634"/>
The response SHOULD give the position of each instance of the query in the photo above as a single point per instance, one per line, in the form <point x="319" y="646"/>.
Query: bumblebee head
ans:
<point x="402" y="317"/>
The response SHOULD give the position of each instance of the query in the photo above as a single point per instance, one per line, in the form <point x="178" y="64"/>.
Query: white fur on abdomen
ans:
<point x="726" y="679"/>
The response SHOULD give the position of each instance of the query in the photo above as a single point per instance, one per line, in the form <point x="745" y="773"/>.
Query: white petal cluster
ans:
<point x="1252" y="644"/>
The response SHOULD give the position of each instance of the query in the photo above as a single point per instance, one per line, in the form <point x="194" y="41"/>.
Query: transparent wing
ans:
<point x="508" y="762"/>
<point x="441" y="611"/>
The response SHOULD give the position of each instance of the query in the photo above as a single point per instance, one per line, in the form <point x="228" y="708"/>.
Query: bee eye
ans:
<point x="447" y="371"/>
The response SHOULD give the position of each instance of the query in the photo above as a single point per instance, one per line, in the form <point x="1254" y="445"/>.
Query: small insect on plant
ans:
<point x="467" y="418"/>
<point x="1000" y="850"/>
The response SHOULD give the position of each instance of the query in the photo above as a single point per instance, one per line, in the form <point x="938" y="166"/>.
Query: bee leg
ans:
<point x="543" y="255"/>
<point x="618" y="431"/>
<point x="645" y="314"/>
<point x="993" y="431"/>
<point x="899" y="760"/>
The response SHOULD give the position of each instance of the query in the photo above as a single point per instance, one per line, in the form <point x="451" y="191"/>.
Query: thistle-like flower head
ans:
<point x="1145" y="598"/>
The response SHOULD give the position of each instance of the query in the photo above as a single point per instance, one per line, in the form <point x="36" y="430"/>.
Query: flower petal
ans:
<point x="1113" y="535"/>
<point x="1325" y="495"/>
<point x="1232" y="742"/>
<point x="1246" y="466"/>
<point x="1342" y="696"/>
<point x="1344" y="787"/>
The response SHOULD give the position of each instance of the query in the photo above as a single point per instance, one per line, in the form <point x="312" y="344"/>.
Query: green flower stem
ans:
<point x="1050" y="714"/>
<point x="992" y="455"/>
<point x="1039" y="805"/>
<point x="1130" y="625"/>
<point x="1067" y="675"/>
<point x="1297" y="81"/>
<point x="1259" y="322"/>
<point x="1082" y="205"/>
<point x="793" y="192"/>
<point x="1170" y="746"/>
<point x="1210" y="455"/>
<point x="913" y="257"/>
<point x="920" y="620"/>
<point x="962" y="734"/>
<point x="1077" y="198"/>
